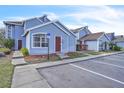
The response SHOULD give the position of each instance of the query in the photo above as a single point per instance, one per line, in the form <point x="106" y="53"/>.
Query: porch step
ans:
<point x="18" y="59"/>
<point x="63" y="56"/>
<point x="17" y="54"/>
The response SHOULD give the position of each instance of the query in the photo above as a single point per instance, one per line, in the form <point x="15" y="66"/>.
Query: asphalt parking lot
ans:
<point x="104" y="72"/>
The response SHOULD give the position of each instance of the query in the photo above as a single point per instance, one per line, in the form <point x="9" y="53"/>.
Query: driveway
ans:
<point x="103" y="72"/>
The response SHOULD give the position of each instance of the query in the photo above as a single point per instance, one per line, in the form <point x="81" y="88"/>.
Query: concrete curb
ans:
<point x="67" y="61"/>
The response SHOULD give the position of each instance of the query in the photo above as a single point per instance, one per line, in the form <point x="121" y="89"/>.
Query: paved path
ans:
<point x="18" y="58"/>
<point x="28" y="76"/>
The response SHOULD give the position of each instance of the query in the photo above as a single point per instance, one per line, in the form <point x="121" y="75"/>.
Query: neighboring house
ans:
<point x="111" y="36"/>
<point x="119" y="41"/>
<point x="33" y="34"/>
<point x="96" y="41"/>
<point x="80" y="32"/>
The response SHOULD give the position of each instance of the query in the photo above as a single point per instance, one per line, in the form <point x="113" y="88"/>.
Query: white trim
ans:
<point x="15" y="24"/>
<point x="39" y="19"/>
<point x="67" y="29"/>
<point x="55" y="43"/>
<point x="61" y="28"/>
<point x="25" y="25"/>
<point x="26" y="31"/>
<point x="100" y="36"/>
<point x="98" y="74"/>
<point x="39" y="26"/>
<point x="33" y="41"/>
<point x="105" y="36"/>
<point x="44" y="24"/>
<point x="97" y="45"/>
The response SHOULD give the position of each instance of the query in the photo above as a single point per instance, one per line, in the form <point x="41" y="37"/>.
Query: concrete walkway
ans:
<point x="28" y="76"/>
<point x="18" y="58"/>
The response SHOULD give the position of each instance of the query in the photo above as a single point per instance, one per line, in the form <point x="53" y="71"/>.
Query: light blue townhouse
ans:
<point x="119" y="41"/>
<point x="86" y="40"/>
<point x="40" y="33"/>
<point x="80" y="32"/>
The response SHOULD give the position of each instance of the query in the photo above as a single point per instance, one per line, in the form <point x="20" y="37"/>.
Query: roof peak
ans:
<point x="21" y="21"/>
<point x="79" y="28"/>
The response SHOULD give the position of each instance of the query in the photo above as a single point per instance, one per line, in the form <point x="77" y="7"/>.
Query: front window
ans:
<point x="40" y="40"/>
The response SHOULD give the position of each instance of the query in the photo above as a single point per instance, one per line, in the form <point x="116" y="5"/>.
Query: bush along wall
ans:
<point x="24" y="51"/>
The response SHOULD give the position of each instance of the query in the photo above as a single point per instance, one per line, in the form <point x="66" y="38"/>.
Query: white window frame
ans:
<point x="40" y="40"/>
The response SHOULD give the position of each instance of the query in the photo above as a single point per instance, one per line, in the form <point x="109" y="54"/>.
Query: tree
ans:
<point x="8" y="43"/>
<point x="2" y="36"/>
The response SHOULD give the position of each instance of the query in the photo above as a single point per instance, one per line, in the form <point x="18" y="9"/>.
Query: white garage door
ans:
<point x="92" y="45"/>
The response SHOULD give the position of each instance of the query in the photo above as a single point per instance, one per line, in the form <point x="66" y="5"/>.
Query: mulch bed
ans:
<point x="41" y="58"/>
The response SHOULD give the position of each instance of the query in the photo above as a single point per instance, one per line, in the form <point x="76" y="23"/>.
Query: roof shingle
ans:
<point x="93" y="36"/>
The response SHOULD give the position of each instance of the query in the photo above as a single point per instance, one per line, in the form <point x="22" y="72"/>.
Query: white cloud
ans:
<point x="103" y="14"/>
<point x="51" y="15"/>
<point x="107" y="18"/>
<point x="73" y="26"/>
<point x="15" y="18"/>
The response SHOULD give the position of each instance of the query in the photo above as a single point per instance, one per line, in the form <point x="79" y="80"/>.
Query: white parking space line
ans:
<point x="115" y="80"/>
<point x="115" y="59"/>
<point x="118" y="56"/>
<point x="107" y="64"/>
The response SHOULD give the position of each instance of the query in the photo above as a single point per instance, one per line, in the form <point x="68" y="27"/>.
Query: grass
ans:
<point x="94" y="53"/>
<point x="38" y="59"/>
<point x="6" y="71"/>
<point x="122" y="49"/>
<point x="76" y="55"/>
<point x="5" y="50"/>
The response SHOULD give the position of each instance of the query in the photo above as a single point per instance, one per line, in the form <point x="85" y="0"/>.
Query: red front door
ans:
<point x="19" y="44"/>
<point x="58" y="44"/>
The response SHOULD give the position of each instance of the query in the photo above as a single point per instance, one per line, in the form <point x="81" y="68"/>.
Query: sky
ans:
<point x="98" y="18"/>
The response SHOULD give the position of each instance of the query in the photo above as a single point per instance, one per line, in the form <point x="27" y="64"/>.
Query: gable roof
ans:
<point x="76" y="30"/>
<point x="93" y="36"/>
<point x="13" y="22"/>
<point x="110" y="33"/>
<point x="23" y="21"/>
<point x="80" y="29"/>
<point x="51" y="22"/>
<point x="41" y="20"/>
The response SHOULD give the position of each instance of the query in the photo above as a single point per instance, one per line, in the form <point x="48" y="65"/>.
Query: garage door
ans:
<point x="92" y="45"/>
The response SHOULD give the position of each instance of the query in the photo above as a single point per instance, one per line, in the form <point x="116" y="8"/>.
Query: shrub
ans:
<point x="5" y="50"/>
<point x="116" y="48"/>
<point x="25" y="51"/>
<point x="8" y="43"/>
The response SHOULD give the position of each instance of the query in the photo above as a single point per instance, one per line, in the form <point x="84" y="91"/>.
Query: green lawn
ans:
<point x="6" y="71"/>
<point x="94" y="53"/>
<point x="76" y="55"/>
